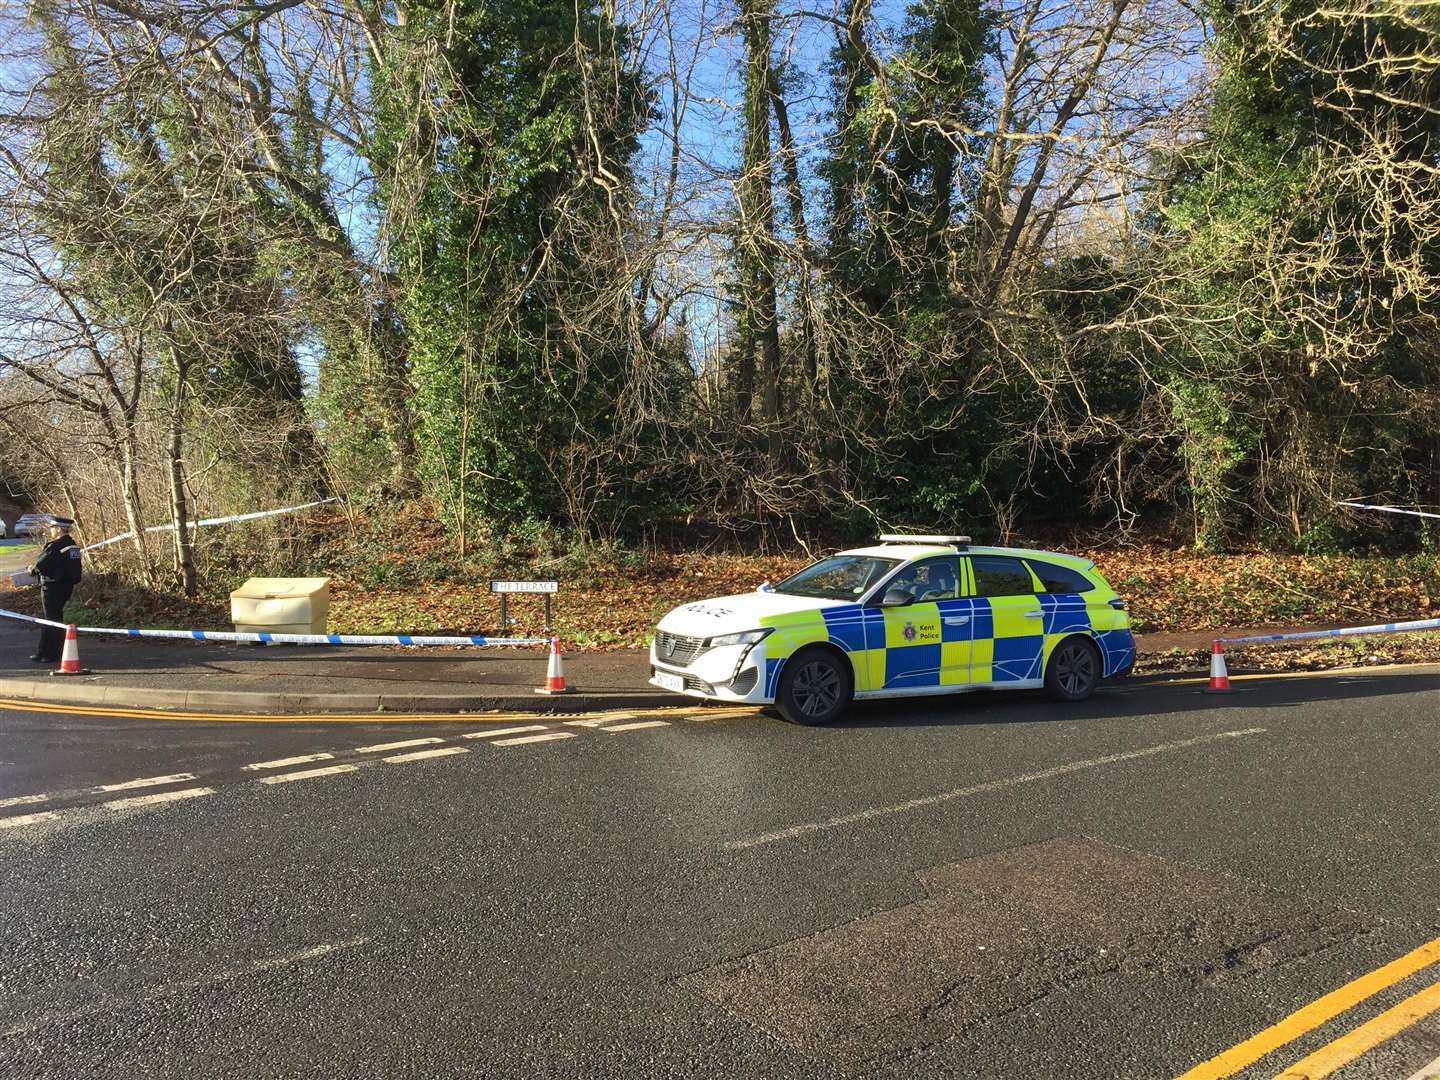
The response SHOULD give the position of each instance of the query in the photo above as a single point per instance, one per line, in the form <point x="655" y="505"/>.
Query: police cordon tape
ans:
<point x="286" y="639"/>
<point x="218" y="521"/>
<point x="1387" y="509"/>
<point x="1220" y="675"/>
<point x="1344" y="631"/>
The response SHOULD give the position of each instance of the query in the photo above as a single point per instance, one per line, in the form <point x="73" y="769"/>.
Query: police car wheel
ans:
<point x="814" y="688"/>
<point x="1074" y="670"/>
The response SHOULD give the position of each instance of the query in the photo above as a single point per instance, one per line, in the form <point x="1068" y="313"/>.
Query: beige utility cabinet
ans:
<point x="281" y="605"/>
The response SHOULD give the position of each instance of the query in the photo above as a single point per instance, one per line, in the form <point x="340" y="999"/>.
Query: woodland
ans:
<point x="614" y="271"/>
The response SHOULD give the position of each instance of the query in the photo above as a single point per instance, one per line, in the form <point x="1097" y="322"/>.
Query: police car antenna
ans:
<point x="915" y="538"/>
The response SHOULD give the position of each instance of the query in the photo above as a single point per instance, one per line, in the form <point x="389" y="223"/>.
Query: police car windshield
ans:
<point x="842" y="577"/>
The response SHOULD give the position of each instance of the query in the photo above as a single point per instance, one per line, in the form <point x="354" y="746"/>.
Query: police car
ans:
<point x="913" y="615"/>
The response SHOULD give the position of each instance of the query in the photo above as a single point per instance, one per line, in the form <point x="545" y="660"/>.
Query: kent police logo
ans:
<point x="909" y="631"/>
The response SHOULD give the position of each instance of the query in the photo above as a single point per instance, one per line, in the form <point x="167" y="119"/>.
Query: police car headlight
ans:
<point x="745" y="637"/>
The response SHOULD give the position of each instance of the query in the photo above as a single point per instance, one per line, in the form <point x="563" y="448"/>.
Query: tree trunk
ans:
<point x="795" y="197"/>
<point x="852" y="75"/>
<point x="387" y="349"/>
<point x="757" y="212"/>
<point x="130" y="496"/>
<point x="179" y="502"/>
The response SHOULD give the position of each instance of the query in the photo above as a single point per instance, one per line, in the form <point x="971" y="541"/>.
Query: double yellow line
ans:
<point x="1349" y="1046"/>
<point x="352" y="718"/>
<point x="260" y="718"/>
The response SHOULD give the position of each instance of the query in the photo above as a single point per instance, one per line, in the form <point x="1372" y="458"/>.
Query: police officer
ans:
<point x="59" y="571"/>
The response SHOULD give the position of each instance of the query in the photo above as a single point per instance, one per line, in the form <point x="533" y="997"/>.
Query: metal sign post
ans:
<point x="505" y="588"/>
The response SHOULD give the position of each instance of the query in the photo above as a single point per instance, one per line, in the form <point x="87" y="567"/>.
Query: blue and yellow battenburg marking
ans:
<point x="968" y="641"/>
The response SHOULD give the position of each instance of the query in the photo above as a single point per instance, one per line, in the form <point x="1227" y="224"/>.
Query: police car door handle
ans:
<point x="958" y="620"/>
<point x="1037" y="613"/>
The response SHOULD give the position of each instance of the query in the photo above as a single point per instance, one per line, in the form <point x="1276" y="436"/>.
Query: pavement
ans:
<point x="335" y="679"/>
<point x="988" y="886"/>
<point x="320" y="679"/>
<point x="250" y="679"/>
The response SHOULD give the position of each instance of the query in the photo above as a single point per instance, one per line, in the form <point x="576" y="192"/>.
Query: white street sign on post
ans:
<point x="505" y="588"/>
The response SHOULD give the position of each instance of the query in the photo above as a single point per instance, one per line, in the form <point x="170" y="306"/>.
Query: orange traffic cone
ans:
<point x="70" y="657"/>
<point x="1219" y="677"/>
<point x="555" y="673"/>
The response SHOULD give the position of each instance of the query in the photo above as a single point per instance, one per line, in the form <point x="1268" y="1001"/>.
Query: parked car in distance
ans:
<point x="911" y="616"/>
<point x="32" y="524"/>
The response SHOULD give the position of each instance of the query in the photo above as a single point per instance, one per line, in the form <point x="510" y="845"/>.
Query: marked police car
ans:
<point x="913" y="615"/>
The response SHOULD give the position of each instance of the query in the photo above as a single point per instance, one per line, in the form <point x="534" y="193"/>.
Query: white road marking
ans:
<point x="158" y="797"/>
<point x="27" y="819"/>
<point x="502" y="731"/>
<point x="375" y="749"/>
<point x="978" y="789"/>
<point x="1428" y="1072"/>
<point x="637" y="725"/>
<point x="595" y="721"/>
<point x="285" y="778"/>
<point x="23" y="800"/>
<point x="547" y="737"/>
<point x="280" y="763"/>
<point x="151" y="781"/>
<point x="109" y="1004"/>
<point x="421" y="755"/>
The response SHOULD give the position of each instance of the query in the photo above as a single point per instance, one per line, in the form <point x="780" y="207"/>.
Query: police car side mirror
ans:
<point x="896" y="598"/>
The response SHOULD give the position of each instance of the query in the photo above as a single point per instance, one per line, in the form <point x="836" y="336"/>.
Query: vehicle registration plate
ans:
<point x="670" y="682"/>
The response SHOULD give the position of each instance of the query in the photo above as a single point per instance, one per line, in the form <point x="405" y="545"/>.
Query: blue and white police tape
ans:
<point x="1347" y="631"/>
<point x="1388" y="509"/>
<point x="217" y="521"/>
<point x="286" y="639"/>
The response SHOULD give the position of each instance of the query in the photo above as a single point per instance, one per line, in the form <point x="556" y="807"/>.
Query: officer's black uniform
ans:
<point x="59" y="571"/>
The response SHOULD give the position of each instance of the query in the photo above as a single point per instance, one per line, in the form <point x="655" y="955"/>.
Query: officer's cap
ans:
<point x="61" y="522"/>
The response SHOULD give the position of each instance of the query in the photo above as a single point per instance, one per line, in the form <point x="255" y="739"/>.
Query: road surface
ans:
<point x="992" y="886"/>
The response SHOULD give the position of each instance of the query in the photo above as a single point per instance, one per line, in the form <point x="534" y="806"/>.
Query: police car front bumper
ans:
<point x="734" y="673"/>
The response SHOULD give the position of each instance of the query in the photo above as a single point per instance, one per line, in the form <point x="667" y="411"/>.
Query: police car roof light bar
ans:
<point x="906" y="538"/>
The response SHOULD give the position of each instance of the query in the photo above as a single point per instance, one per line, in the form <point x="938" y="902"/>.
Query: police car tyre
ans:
<point x="1074" y="669"/>
<point x="815" y="687"/>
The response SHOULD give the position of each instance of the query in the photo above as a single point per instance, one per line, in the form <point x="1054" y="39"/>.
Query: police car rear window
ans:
<point x="1060" y="579"/>
<point x="1001" y="575"/>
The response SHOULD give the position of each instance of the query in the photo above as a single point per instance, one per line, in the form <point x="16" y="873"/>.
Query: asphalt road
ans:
<point x="992" y="886"/>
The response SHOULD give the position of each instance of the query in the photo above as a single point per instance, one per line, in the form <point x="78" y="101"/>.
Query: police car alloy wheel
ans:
<point x="1073" y="671"/>
<point x="814" y="689"/>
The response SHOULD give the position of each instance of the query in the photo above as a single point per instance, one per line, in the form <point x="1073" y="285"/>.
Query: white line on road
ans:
<point x="421" y="755"/>
<point x="149" y="781"/>
<point x="112" y="1004"/>
<point x="285" y="778"/>
<point x="502" y="731"/>
<point x="549" y="736"/>
<point x="23" y="800"/>
<point x="397" y="745"/>
<point x="158" y="797"/>
<point x="597" y="721"/>
<point x="27" y="819"/>
<point x="979" y="789"/>
<point x="280" y="763"/>
<point x="637" y="726"/>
